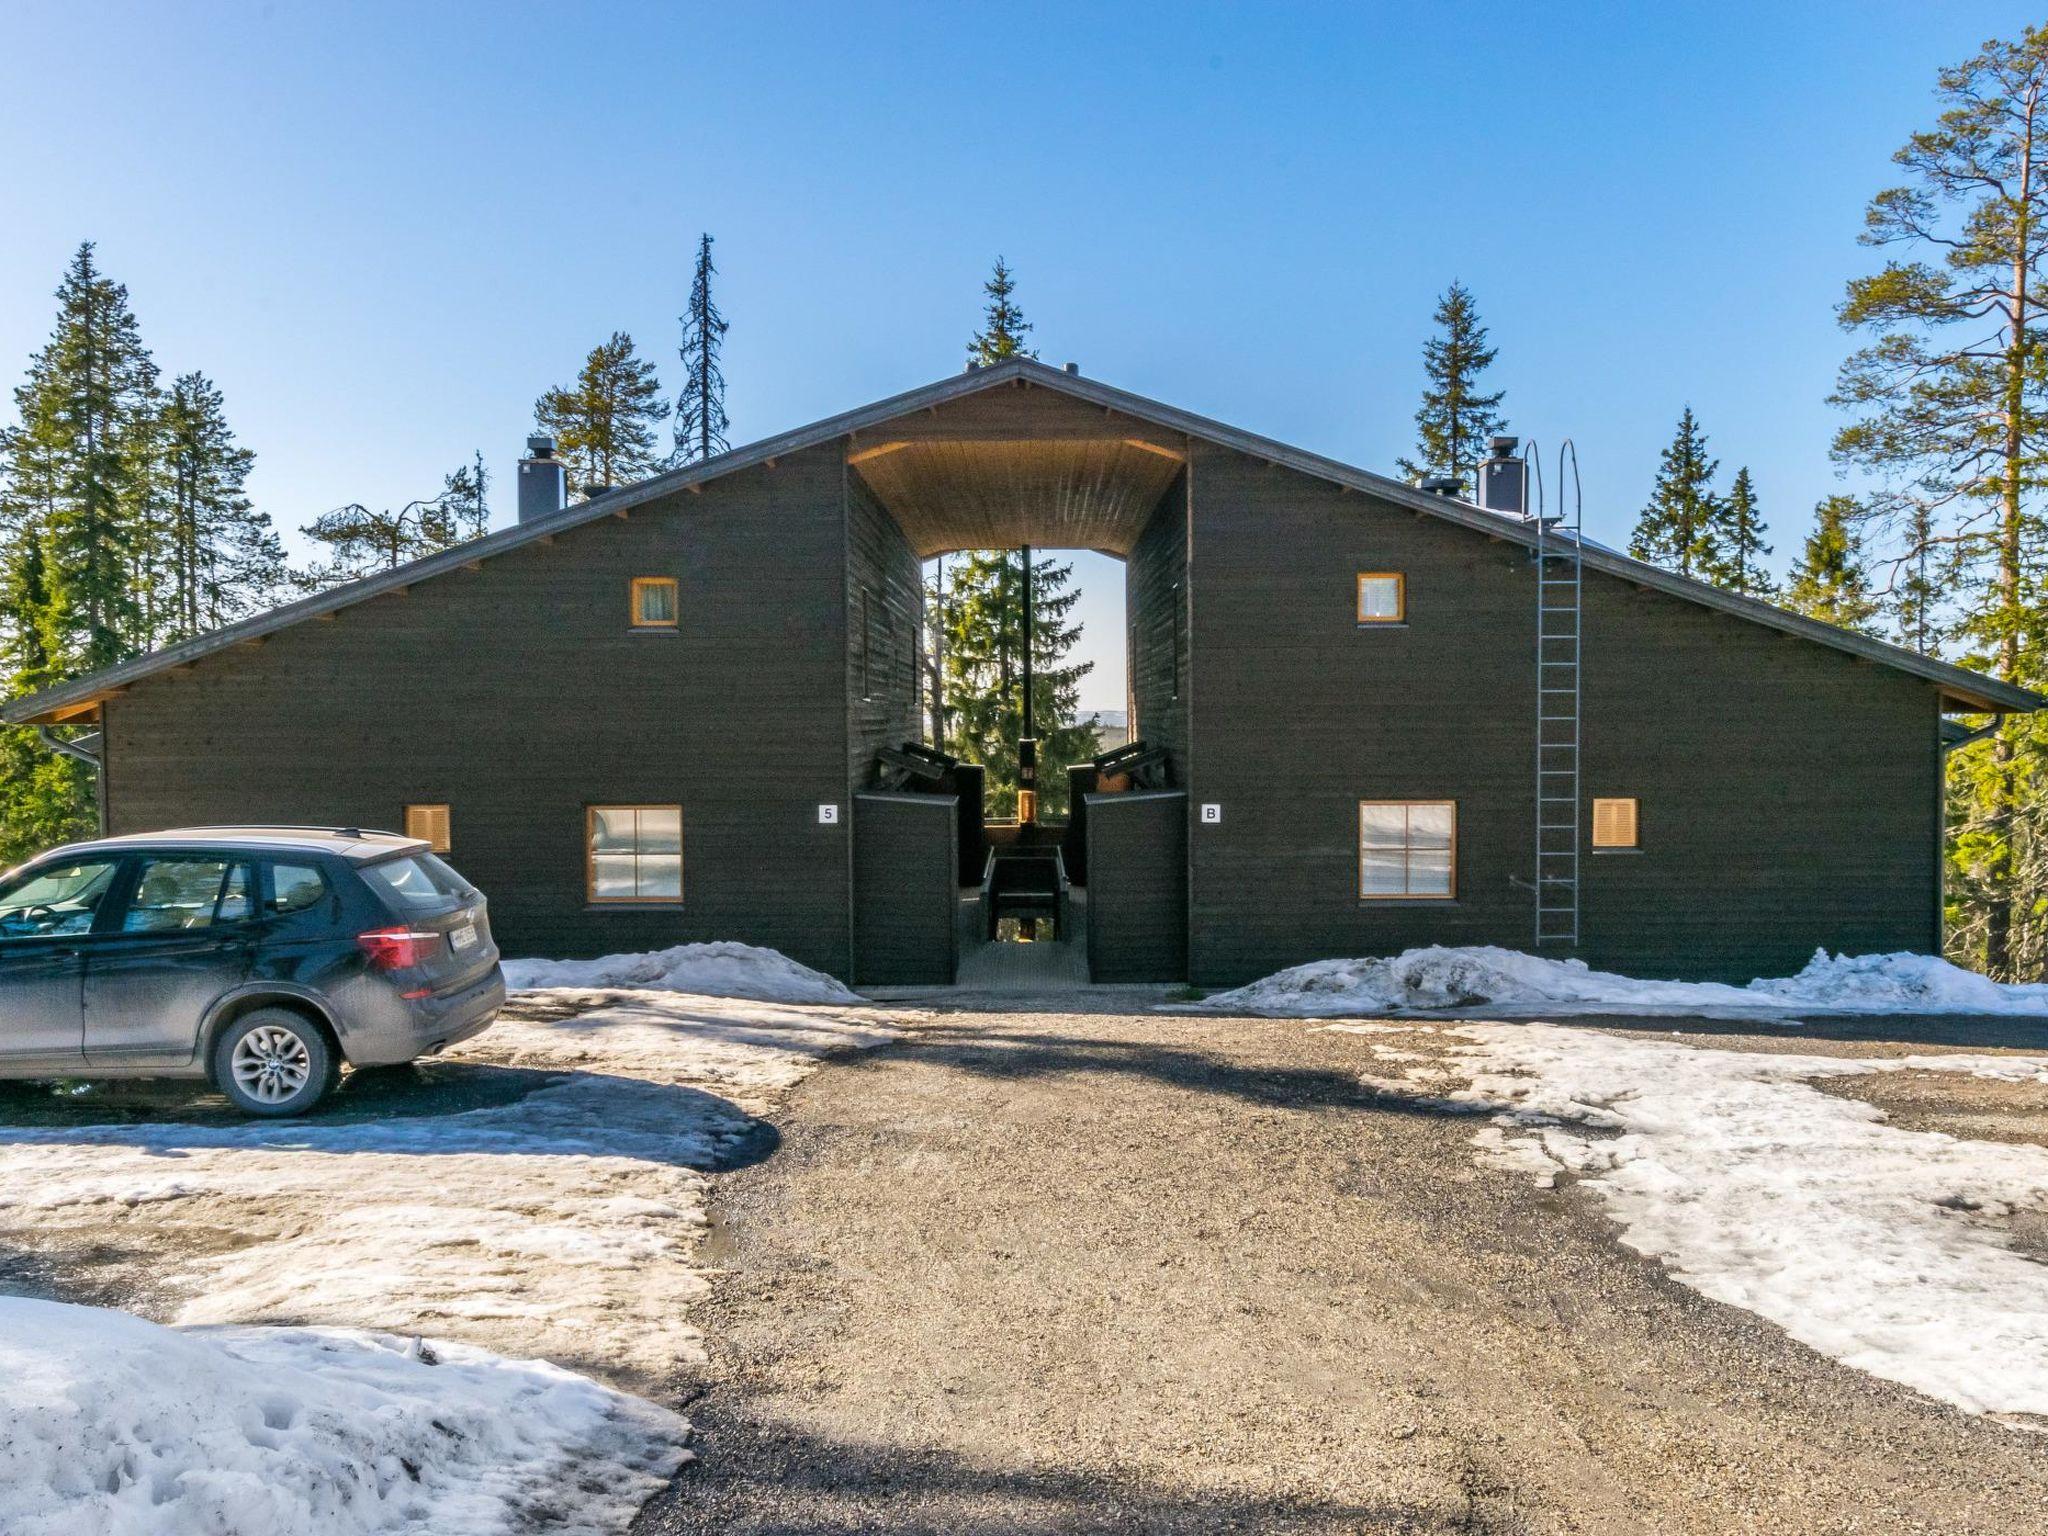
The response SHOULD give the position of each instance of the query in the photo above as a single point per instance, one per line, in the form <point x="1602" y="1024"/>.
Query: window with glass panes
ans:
<point x="1382" y="597"/>
<point x="635" y="853"/>
<point x="1407" y="848"/>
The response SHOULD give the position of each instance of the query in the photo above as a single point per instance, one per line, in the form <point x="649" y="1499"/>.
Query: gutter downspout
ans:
<point x="91" y="759"/>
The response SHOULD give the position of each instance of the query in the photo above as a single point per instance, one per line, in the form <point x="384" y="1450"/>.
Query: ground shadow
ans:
<point x="439" y="1108"/>
<point x="757" y="1475"/>
<point x="1000" y="1053"/>
<point x="1938" y="1031"/>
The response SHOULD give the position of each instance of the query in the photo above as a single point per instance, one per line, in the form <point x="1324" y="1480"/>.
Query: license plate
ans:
<point x="463" y="937"/>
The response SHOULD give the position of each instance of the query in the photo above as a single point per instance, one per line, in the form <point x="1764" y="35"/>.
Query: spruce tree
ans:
<point x="1919" y="579"/>
<point x="465" y="501"/>
<point x="700" y="408"/>
<point x="226" y="561"/>
<point x="604" y="424"/>
<point x="1830" y="581"/>
<point x="983" y="663"/>
<point x="104" y="387"/>
<point x="1679" y="528"/>
<point x="1003" y="326"/>
<point x="1950" y="399"/>
<point x="1737" y="544"/>
<point x="1456" y="417"/>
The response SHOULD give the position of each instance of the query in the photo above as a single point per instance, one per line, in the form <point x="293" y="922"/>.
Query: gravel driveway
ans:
<point x="1056" y="1271"/>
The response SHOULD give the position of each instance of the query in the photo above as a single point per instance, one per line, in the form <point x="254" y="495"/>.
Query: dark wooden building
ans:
<point x="656" y="716"/>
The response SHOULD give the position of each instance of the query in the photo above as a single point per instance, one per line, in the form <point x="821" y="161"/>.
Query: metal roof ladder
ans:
<point x="1560" y="632"/>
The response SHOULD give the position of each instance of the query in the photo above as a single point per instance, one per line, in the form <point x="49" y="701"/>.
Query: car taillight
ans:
<point x="394" y="949"/>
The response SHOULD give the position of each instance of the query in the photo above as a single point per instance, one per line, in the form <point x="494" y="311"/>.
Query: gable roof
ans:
<point x="1960" y="687"/>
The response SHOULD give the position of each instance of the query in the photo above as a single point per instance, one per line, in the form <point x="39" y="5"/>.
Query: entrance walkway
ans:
<point x="1129" y="1272"/>
<point x="997" y="967"/>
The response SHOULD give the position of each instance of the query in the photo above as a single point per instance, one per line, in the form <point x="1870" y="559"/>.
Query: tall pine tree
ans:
<point x="1950" y="399"/>
<point x="1456" y="417"/>
<point x="1830" y="582"/>
<point x="1736" y="540"/>
<point x="604" y="424"/>
<point x="983" y="620"/>
<point x="1678" y="529"/>
<point x="225" y="558"/>
<point x="1003" y="326"/>
<point x="105" y="401"/>
<point x="700" y="408"/>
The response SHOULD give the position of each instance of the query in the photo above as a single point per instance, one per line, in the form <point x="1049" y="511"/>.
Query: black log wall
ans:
<point x="1156" y="610"/>
<point x="517" y="694"/>
<point x="884" y="585"/>
<point x="1788" y="791"/>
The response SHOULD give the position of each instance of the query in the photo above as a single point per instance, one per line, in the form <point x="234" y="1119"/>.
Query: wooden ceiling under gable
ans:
<point x="1018" y="465"/>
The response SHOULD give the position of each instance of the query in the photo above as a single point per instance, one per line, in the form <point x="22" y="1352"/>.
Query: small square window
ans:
<point x="1382" y="597"/>
<point x="1614" y="823"/>
<point x="654" y="602"/>
<point x="429" y="823"/>
<point x="635" y="853"/>
<point x="1407" y="848"/>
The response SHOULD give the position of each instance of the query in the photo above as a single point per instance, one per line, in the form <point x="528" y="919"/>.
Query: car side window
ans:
<point x="58" y="900"/>
<point x="295" y="888"/>
<point x="180" y="895"/>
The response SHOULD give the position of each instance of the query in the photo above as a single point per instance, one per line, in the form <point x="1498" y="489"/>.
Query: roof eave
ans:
<point x="79" y="698"/>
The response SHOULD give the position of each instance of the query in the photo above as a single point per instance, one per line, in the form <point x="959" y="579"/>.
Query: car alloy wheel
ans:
<point x="271" y="1064"/>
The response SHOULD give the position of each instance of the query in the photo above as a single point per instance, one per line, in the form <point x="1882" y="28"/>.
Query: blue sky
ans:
<point x="384" y="229"/>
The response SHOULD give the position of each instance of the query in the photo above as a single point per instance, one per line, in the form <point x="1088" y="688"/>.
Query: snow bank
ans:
<point x="557" y="1218"/>
<point x="1507" y="981"/>
<point x="1889" y="1250"/>
<point x="711" y="970"/>
<point x="112" y="1426"/>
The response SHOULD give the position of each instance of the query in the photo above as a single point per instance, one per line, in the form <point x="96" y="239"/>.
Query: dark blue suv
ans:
<point x="260" y="958"/>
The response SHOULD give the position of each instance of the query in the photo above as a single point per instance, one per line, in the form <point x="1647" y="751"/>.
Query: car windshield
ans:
<point x="60" y="899"/>
<point x="418" y="882"/>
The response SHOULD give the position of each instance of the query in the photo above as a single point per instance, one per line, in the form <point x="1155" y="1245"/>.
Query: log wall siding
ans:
<point x="1156" y="612"/>
<point x="884" y="590"/>
<point x="517" y="694"/>
<point x="1788" y="791"/>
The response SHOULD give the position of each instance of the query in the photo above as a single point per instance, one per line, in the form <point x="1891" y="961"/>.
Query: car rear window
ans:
<point x="418" y="882"/>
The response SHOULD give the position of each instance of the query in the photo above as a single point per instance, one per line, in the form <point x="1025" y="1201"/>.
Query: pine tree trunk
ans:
<point x="2003" y="817"/>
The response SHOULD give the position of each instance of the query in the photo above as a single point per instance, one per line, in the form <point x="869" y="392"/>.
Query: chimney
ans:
<point x="540" y="479"/>
<point x="1504" y="479"/>
<point x="1446" y="486"/>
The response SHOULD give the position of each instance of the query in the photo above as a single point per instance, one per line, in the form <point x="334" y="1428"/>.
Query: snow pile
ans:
<point x="712" y="970"/>
<point x="1507" y="981"/>
<point x="112" y="1426"/>
<point x="1889" y="1250"/>
<point x="557" y="1218"/>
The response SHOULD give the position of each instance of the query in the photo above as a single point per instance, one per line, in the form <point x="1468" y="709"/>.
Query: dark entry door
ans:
<point x="183" y="937"/>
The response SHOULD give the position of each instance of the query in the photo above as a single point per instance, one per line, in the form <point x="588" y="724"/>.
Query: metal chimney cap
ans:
<point x="1073" y="367"/>
<point x="1503" y="446"/>
<point x="1441" y="485"/>
<point x="540" y="446"/>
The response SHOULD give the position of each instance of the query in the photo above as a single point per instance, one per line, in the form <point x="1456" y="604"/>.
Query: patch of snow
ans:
<point x="1889" y="1250"/>
<point x="558" y="1219"/>
<point x="722" y="969"/>
<point x="112" y="1426"/>
<point x="1507" y="981"/>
